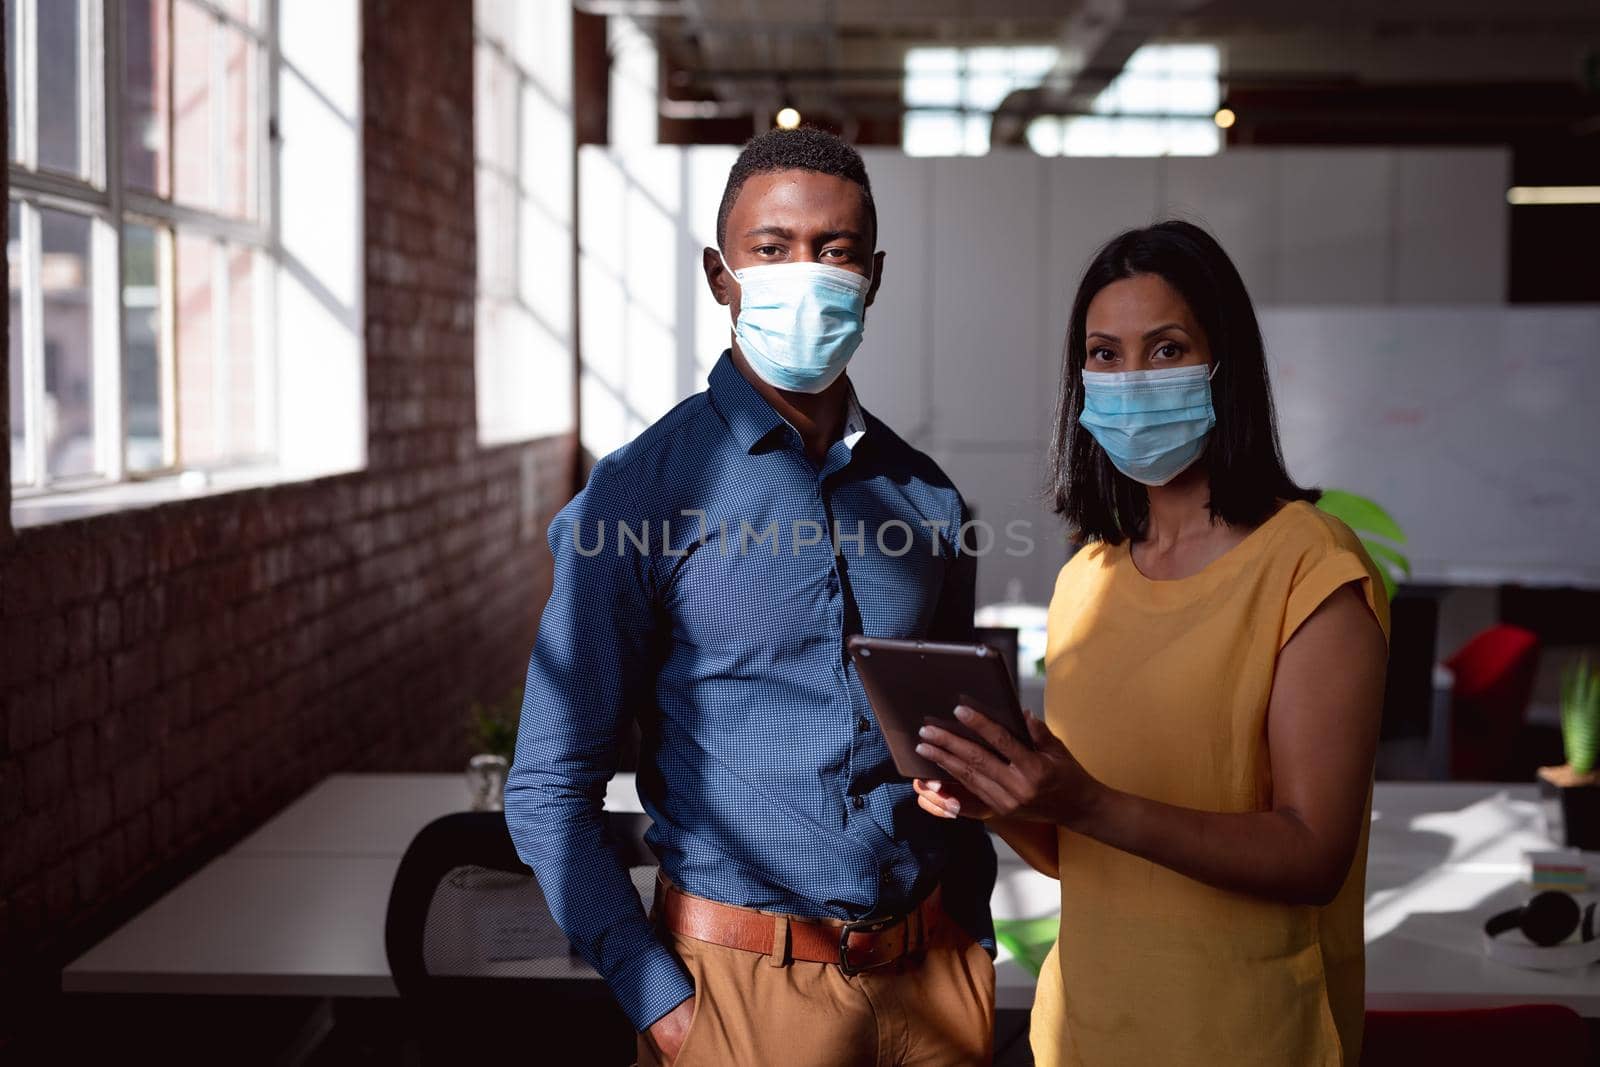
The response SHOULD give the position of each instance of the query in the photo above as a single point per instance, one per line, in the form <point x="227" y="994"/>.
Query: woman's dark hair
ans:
<point x="1243" y="457"/>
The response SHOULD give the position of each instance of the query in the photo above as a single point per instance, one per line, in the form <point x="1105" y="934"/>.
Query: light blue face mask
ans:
<point x="799" y="323"/>
<point x="1152" y="423"/>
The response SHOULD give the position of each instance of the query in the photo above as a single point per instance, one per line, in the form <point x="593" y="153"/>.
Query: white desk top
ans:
<point x="379" y="814"/>
<point x="298" y="906"/>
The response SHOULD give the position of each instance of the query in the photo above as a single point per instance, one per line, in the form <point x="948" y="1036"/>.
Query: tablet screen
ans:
<point x="910" y="683"/>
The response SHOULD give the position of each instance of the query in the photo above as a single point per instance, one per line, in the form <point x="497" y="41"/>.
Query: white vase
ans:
<point x="486" y="781"/>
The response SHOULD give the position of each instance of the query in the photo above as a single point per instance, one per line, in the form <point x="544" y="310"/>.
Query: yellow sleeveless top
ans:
<point x="1160" y="688"/>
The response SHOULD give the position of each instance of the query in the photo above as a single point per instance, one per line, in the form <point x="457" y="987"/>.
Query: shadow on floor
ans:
<point x="282" y="1031"/>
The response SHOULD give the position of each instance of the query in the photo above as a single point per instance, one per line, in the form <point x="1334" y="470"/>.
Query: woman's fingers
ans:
<point x="969" y="764"/>
<point x="1037" y="729"/>
<point x="966" y="752"/>
<point x="998" y="737"/>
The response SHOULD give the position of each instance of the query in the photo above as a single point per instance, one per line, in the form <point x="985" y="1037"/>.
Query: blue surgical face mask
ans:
<point x="799" y="323"/>
<point x="1152" y="423"/>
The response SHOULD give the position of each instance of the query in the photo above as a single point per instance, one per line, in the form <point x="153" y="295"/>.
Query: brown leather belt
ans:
<point x="855" y="946"/>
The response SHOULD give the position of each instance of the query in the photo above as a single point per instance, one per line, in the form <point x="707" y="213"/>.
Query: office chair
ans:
<point x="480" y="965"/>
<point x="1484" y="1037"/>
<point x="1494" y="674"/>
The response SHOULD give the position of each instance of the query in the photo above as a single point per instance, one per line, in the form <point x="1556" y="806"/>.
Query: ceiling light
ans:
<point x="1224" y="118"/>
<point x="1524" y="195"/>
<point x="788" y="118"/>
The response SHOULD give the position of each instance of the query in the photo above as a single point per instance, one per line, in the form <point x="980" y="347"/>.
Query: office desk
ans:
<point x="297" y="907"/>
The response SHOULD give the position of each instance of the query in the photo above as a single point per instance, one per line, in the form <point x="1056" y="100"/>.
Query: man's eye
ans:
<point x="768" y="250"/>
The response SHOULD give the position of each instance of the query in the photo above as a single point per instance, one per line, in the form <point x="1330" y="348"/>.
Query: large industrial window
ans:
<point x="151" y="267"/>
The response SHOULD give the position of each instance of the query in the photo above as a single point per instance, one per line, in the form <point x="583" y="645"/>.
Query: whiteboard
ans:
<point x="1478" y="428"/>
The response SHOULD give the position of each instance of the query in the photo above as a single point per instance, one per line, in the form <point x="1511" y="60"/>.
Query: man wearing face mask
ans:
<point x="807" y="911"/>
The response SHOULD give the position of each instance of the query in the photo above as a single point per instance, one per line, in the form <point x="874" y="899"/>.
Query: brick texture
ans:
<point x="172" y="676"/>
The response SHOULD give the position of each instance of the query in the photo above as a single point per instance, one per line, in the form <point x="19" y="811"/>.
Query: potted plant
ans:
<point x="1370" y="522"/>
<point x="493" y="729"/>
<point x="1575" y="781"/>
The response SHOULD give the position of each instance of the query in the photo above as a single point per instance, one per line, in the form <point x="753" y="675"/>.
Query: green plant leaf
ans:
<point x="1360" y="514"/>
<point x="1383" y="554"/>
<point x="1028" y="940"/>
<point x="1580" y="715"/>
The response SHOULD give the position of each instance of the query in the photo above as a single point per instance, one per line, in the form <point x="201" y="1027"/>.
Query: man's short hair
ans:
<point x="799" y="149"/>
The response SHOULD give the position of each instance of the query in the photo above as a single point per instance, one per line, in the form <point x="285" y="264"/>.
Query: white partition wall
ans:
<point x="963" y="344"/>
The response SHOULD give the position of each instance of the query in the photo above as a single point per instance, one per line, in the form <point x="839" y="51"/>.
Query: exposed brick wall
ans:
<point x="172" y="676"/>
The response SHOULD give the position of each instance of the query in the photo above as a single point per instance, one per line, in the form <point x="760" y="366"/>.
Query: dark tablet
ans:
<point x="914" y="682"/>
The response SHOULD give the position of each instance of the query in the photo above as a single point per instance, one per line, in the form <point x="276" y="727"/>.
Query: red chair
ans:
<point x="1546" y="1034"/>
<point x="1489" y="703"/>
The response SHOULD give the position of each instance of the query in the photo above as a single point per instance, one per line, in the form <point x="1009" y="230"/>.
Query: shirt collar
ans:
<point x="855" y="423"/>
<point x="750" y="418"/>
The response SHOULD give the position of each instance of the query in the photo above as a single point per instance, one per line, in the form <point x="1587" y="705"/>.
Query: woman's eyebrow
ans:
<point x="1163" y="329"/>
<point x="1105" y="336"/>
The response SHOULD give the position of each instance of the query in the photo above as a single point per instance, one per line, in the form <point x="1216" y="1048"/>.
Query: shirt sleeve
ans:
<point x="1324" y="567"/>
<point x="590" y="668"/>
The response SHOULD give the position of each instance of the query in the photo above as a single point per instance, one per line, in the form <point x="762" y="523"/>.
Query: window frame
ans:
<point x="102" y="194"/>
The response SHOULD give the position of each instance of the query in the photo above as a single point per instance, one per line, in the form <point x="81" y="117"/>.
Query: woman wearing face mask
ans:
<point x="1202" y="783"/>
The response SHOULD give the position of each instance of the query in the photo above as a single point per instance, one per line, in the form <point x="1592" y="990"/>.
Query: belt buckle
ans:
<point x="863" y="926"/>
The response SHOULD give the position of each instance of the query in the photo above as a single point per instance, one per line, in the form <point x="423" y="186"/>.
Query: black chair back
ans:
<point x="459" y="890"/>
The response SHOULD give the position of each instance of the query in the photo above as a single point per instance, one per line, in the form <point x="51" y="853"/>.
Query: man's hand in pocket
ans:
<point x="667" y="1033"/>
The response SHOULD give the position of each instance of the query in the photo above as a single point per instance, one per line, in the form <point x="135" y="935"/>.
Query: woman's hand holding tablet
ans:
<point x="912" y="684"/>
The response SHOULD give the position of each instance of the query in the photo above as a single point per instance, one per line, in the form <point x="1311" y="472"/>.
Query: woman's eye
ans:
<point x="1101" y="355"/>
<point x="1169" y="350"/>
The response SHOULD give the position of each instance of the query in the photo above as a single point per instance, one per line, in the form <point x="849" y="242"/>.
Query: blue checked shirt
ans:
<point x="698" y="590"/>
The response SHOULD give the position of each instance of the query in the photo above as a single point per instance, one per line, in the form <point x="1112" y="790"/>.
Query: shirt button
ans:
<point x="862" y="725"/>
<point x="858" y="801"/>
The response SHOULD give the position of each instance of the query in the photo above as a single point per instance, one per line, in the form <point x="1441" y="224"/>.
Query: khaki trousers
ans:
<point x="751" y="1010"/>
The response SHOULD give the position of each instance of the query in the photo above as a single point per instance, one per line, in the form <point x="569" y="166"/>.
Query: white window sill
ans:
<point x="46" y="508"/>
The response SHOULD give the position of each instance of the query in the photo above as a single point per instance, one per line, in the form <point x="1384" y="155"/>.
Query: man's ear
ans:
<point x="717" y="276"/>
<point x="877" y="277"/>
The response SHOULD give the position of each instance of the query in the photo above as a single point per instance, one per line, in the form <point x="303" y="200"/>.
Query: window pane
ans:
<point x="192" y="104"/>
<point x="238" y="102"/>
<point x="60" y="122"/>
<point x="145" y="96"/>
<point x="933" y="133"/>
<point x="497" y="234"/>
<point x="495" y="113"/>
<point x="67" y="421"/>
<point x="243" y="10"/>
<point x="142" y="374"/>
<point x="933" y="77"/>
<point x="19" y="457"/>
<point x="196" y="342"/>
<point x="13" y="99"/>
<point x="241" y="354"/>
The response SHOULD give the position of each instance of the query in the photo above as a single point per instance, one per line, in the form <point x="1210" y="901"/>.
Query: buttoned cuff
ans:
<point x="651" y="985"/>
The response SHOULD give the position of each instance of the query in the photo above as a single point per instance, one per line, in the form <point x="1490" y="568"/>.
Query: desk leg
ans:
<point x="315" y="1030"/>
